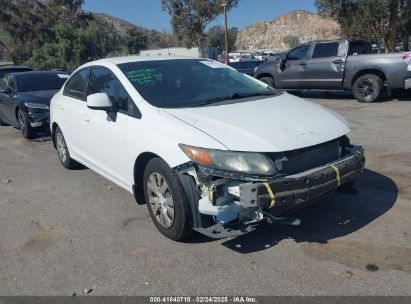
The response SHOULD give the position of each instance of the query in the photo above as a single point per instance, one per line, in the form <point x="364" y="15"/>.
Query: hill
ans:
<point x="302" y="24"/>
<point x="156" y="39"/>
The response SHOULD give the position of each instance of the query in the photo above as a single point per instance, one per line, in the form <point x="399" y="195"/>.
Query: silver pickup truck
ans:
<point x="337" y="65"/>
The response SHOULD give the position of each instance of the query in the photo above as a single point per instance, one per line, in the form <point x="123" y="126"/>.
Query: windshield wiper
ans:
<point x="234" y="96"/>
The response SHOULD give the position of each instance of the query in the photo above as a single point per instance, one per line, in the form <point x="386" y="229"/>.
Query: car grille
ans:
<point x="305" y="159"/>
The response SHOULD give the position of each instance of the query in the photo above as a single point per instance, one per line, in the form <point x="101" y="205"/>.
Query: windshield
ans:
<point x="27" y="82"/>
<point x="182" y="83"/>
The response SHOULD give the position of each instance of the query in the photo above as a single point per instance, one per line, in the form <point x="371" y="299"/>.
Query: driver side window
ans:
<point x="299" y="53"/>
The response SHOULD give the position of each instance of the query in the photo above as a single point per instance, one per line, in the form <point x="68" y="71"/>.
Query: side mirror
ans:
<point x="283" y="60"/>
<point x="100" y="101"/>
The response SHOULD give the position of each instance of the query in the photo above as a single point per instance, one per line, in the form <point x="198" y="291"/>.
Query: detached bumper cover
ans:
<point x="286" y="193"/>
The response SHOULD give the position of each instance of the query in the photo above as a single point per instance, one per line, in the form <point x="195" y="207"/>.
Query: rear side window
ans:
<point x="323" y="50"/>
<point x="359" y="48"/>
<point x="77" y="84"/>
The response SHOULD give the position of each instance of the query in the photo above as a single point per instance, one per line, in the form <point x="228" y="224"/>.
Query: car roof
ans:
<point x="129" y="59"/>
<point x="8" y="67"/>
<point x="37" y="73"/>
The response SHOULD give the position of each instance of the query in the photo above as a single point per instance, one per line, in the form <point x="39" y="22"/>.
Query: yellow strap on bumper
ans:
<point x="337" y="173"/>
<point x="271" y="194"/>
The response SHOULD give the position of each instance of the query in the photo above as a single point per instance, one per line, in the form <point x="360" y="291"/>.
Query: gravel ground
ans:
<point x="66" y="231"/>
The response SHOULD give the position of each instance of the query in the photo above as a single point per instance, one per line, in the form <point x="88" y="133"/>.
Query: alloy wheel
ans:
<point x="21" y="122"/>
<point x="366" y="88"/>
<point x="61" y="147"/>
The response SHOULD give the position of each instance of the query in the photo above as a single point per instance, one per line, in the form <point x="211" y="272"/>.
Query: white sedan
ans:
<point x="207" y="148"/>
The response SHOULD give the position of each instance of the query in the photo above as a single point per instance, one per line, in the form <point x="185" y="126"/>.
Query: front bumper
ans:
<point x="38" y="118"/>
<point x="287" y="193"/>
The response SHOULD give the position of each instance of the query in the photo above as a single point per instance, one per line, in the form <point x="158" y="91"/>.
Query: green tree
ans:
<point x="374" y="20"/>
<point x="135" y="41"/>
<point x="216" y="37"/>
<point x="291" y="41"/>
<point x="30" y="23"/>
<point x="189" y="18"/>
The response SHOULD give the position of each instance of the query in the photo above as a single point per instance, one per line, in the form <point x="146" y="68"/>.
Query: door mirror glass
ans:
<point x="100" y="101"/>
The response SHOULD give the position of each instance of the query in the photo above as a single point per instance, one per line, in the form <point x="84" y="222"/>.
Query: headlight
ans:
<point x="33" y="105"/>
<point x="242" y="162"/>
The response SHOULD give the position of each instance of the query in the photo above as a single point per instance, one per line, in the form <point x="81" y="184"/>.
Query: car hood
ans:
<point x="275" y="124"/>
<point x="43" y="97"/>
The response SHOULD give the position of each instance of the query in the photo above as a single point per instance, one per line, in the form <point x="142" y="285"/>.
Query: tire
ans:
<point x="63" y="152"/>
<point x="268" y="80"/>
<point x="26" y="130"/>
<point x="166" y="200"/>
<point x="367" y="88"/>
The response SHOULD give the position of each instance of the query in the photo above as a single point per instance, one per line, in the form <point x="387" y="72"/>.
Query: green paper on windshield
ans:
<point x="144" y="76"/>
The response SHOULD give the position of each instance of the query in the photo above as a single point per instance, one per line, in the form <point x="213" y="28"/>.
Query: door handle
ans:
<point x="303" y="63"/>
<point x="337" y="61"/>
<point x="61" y="107"/>
<point x="85" y="118"/>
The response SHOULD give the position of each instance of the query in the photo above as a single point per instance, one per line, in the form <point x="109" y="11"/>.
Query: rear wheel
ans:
<point x="268" y="80"/>
<point x="367" y="88"/>
<point x="166" y="200"/>
<point x="63" y="152"/>
<point x="26" y="130"/>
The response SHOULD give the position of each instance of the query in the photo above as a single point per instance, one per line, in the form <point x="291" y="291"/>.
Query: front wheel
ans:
<point x="268" y="80"/>
<point x="367" y="88"/>
<point x="26" y="130"/>
<point x="166" y="200"/>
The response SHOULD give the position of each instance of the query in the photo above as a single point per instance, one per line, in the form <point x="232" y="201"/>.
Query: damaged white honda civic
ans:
<point x="207" y="148"/>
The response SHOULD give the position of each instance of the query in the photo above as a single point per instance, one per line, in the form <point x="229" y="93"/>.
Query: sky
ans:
<point x="148" y="13"/>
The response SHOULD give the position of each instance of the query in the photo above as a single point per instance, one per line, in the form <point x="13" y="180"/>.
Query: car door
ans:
<point x="8" y="101"/>
<point x="106" y="131"/>
<point x="69" y="111"/>
<point x="325" y="69"/>
<point x="291" y="75"/>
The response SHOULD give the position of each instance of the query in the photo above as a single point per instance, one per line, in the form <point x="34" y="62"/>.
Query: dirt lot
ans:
<point x="65" y="231"/>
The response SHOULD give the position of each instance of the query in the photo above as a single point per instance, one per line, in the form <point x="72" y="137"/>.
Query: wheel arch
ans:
<point x="53" y="133"/>
<point x="259" y="76"/>
<point x="138" y="173"/>
<point x="373" y="71"/>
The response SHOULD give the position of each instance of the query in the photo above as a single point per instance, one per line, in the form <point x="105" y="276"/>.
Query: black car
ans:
<point x="25" y="99"/>
<point x="7" y="69"/>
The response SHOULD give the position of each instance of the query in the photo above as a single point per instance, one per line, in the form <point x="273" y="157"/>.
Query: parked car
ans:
<point x="217" y="159"/>
<point x="234" y="57"/>
<point x="25" y="99"/>
<point x="267" y="55"/>
<point x="337" y="65"/>
<point x="245" y="67"/>
<point x="6" y="69"/>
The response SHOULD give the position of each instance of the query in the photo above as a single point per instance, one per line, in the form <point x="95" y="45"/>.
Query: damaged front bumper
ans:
<point x="226" y="206"/>
<point x="38" y="118"/>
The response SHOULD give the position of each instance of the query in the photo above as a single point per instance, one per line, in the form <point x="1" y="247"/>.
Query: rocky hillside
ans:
<point x="302" y="24"/>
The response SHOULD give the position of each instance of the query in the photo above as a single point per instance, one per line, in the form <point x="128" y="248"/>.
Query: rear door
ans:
<point x="325" y="69"/>
<point x="69" y="112"/>
<point x="292" y="74"/>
